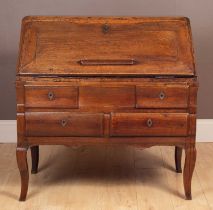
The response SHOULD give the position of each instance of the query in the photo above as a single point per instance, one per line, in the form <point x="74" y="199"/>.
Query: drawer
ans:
<point x="63" y="124"/>
<point x="162" y="96"/>
<point x="51" y="96"/>
<point x="107" y="96"/>
<point x="149" y="124"/>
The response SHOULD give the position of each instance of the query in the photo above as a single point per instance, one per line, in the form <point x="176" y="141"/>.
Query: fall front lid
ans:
<point x="105" y="46"/>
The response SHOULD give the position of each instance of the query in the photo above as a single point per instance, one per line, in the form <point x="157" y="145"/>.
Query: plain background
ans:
<point x="199" y="11"/>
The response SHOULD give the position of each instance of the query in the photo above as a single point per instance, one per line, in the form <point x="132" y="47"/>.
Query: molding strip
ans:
<point x="8" y="131"/>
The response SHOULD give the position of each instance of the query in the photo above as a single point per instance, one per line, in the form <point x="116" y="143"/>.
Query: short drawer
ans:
<point x="149" y="124"/>
<point x="63" y="124"/>
<point x="162" y="96"/>
<point x="51" y="96"/>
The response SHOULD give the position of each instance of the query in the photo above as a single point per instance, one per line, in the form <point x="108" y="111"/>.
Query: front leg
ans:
<point x="190" y="159"/>
<point x="21" y="155"/>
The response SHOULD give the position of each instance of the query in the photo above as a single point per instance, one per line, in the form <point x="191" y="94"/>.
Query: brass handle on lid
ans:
<point x="92" y="62"/>
<point x="63" y="123"/>
<point x="51" y="95"/>
<point x="149" y="123"/>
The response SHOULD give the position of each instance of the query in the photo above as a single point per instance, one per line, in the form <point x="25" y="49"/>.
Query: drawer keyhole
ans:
<point x="50" y="95"/>
<point x="63" y="123"/>
<point x="149" y="123"/>
<point x="162" y="95"/>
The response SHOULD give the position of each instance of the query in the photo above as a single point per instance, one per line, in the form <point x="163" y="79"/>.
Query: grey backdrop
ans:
<point x="199" y="11"/>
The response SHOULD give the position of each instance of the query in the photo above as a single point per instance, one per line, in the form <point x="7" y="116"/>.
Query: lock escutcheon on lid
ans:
<point x="105" y="28"/>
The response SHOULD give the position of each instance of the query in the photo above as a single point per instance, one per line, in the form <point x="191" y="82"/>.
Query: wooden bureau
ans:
<point x="106" y="80"/>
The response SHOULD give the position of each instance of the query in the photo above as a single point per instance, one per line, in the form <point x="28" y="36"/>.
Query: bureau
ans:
<point x="106" y="80"/>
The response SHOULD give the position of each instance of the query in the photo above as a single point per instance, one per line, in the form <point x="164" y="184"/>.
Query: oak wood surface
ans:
<point x="137" y="124"/>
<point x="63" y="124"/>
<point x="21" y="155"/>
<point x="103" y="96"/>
<point x="35" y="158"/>
<point x="106" y="80"/>
<point x="189" y="166"/>
<point x="50" y="96"/>
<point x="162" y="96"/>
<point x="178" y="158"/>
<point x="56" y="45"/>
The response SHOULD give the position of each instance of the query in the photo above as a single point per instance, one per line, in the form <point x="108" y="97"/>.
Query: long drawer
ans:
<point x="63" y="124"/>
<point x="149" y="124"/>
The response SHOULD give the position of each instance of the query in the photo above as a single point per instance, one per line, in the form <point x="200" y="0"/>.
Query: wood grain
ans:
<point x="178" y="158"/>
<point x="158" y="45"/>
<point x="104" y="81"/>
<point x="21" y="155"/>
<point x="63" y="124"/>
<point x="51" y="96"/>
<point x="103" y="96"/>
<point x="35" y="158"/>
<point x="188" y="169"/>
<point x="162" y="96"/>
<point x="136" y="124"/>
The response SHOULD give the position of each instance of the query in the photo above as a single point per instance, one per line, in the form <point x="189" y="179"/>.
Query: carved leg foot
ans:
<point x="178" y="156"/>
<point x="21" y="155"/>
<point x="35" y="159"/>
<point x="188" y="169"/>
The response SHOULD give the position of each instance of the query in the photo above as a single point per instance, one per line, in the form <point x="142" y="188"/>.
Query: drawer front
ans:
<point x="99" y="96"/>
<point x="51" y="96"/>
<point x="162" y="96"/>
<point x="63" y="124"/>
<point x="149" y="124"/>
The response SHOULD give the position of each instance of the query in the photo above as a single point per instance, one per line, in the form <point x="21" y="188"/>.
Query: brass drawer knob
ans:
<point x="162" y="95"/>
<point x="149" y="123"/>
<point x="63" y="123"/>
<point x="51" y="95"/>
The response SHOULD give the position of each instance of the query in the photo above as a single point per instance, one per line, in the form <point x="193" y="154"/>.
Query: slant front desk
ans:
<point x="106" y="80"/>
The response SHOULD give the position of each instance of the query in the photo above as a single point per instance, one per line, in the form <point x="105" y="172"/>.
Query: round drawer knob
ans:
<point x="63" y="123"/>
<point x="51" y="95"/>
<point x="149" y="123"/>
<point x="162" y="95"/>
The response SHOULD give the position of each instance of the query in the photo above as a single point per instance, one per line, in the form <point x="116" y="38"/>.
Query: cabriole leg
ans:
<point x="178" y="157"/>
<point x="188" y="169"/>
<point x="35" y="158"/>
<point x="21" y="155"/>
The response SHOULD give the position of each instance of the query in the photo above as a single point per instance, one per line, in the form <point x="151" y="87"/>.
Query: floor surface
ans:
<point x="106" y="178"/>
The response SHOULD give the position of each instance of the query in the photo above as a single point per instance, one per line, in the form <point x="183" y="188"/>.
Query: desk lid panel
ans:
<point x="105" y="46"/>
